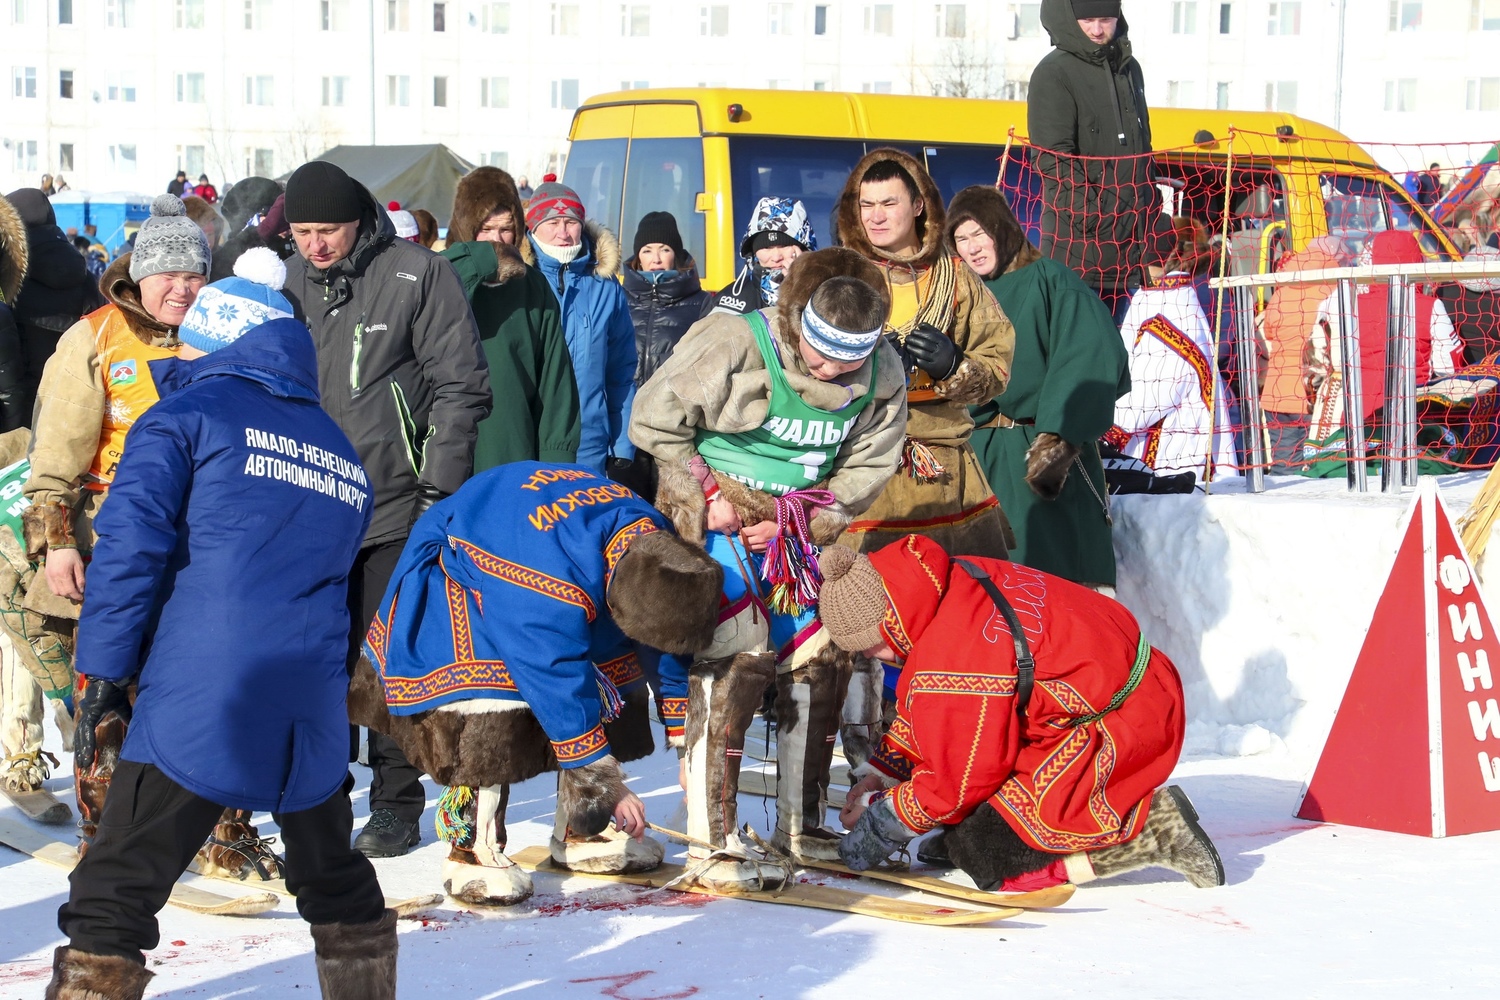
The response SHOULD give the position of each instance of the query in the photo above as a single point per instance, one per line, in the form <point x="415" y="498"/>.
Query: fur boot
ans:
<point x="476" y="870"/>
<point x="722" y="697"/>
<point x="987" y="849"/>
<point x="1171" y="839"/>
<point x="237" y="850"/>
<point x="357" y="961"/>
<point x="80" y="975"/>
<point x="582" y="837"/>
<point x="863" y="726"/>
<point x="27" y="765"/>
<point x="808" y="697"/>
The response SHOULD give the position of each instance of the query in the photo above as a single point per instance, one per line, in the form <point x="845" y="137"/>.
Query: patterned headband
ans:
<point x="834" y="343"/>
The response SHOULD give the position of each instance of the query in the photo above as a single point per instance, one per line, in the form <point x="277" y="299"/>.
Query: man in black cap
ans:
<point x="1087" y="100"/>
<point x="402" y="372"/>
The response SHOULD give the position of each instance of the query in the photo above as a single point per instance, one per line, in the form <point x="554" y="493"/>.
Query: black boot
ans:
<point x="357" y="961"/>
<point x="387" y="835"/>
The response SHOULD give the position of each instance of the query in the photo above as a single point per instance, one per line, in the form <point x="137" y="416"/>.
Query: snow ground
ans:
<point x="1261" y="601"/>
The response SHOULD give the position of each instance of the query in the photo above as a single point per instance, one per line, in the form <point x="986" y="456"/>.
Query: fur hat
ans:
<point x="853" y="602"/>
<point x="169" y="241"/>
<point x="34" y="207"/>
<point x="207" y="217"/>
<point x="250" y="197"/>
<point x="809" y="271"/>
<point x="14" y="252"/>
<point x="930" y="228"/>
<point x="987" y="208"/>
<point x="551" y="201"/>
<point x="481" y="193"/>
<point x="665" y="593"/>
<point x="778" y="222"/>
<point x="228" y="309"/>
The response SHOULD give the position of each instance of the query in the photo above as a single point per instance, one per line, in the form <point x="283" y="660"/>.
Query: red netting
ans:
<point x="1251" y="203"/>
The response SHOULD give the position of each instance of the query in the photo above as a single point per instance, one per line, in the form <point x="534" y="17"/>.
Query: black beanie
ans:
<point x="321" y="192"/>
<point x="1083" y="9"/>
<point x="659" y="227"/>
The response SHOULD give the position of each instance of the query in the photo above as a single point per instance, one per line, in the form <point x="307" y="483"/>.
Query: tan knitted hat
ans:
<point x="852" y="602"/>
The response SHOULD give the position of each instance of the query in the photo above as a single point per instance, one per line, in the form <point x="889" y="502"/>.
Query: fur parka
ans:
<point x="481" y="193"/>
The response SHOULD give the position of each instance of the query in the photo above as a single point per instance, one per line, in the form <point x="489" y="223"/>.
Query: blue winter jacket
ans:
<point x="601" y="340"/>
<point x="221" y="574"/>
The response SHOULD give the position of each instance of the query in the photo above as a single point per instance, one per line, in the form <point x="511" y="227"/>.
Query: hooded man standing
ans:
<point x="1088" y="102"/>
<point x="403" y="373"/>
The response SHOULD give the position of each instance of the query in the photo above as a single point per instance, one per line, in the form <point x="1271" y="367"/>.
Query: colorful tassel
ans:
<point x="455" y="815"/>
<point x="790" y="564"/>
<point x="611" y="703"/>
<point x="920" y="463"/>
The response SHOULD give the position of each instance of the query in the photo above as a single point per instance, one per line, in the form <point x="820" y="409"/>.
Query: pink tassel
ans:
<point x="920" y="463"/>
<point x="790" y="564"/>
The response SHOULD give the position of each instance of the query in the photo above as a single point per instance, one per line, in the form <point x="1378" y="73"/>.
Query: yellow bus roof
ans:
<point x="837" y="115"/>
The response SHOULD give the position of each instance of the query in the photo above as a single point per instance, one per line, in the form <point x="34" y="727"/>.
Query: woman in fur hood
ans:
<point x="1038" y="440"/>
<point x="535" y="416"/>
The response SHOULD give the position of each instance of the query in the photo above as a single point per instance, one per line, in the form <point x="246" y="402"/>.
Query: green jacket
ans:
<point x="520" y="326"/>
<point x="1070" y="367"/>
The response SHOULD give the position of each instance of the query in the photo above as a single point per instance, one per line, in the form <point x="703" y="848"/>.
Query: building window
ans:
<point x="778" y="19"/>
<point x="495" y="92"/>
<point x="951" y="20"/>
<point x="65" y="156"/>
<point x="820" y="85"/>
<point x="1282" y="96"/>
<point x="714" y="20"/>
<point x="440" y="91"/>
<point x="634" y="84"/>
<point x="119" y="14"/>
<point x="65" y="84"/>
<point x="397" y="15"/>
<point x="495" y="158"/>
<point x="565" y="19"/>
<point x="1184" y="17"/>
<point x="440" y="17"/>
<point x="878" y="87"/>
<point x="26" y="155"/>
<point x="635" y="20"/>
<point x="1180" y="93"/>
<point x="122" y="157"/>
<point x="190" y="88"/>
<point x="1285" y="18"/>
<point x="1225" y="19"/>
<point x="1401" y="95"/>
<point x="1015" y="90"/>
<point x="1484" y="15"/>
<point x="820" y="19"/>
<point x="333" y="15"/>
<point x="565" y="94"/>
<point x="880" y="19"/>
<point x="189" y="14"/>
<point x="1483" y="94"/>
<point x="65" y="16"/>
<point x="120" y="87"/>
<point x="257" y="15"/>
<point x="1221" y="96"/>
<point x="494" y="18"/>
<point x="398" y="91"/>
<point x="260" y="90"/>
<point x="262" y="163"/>
<point x="1026" y="20"/>
<point x="1405" y="15"/>
<point x="190" y="160"/>
<point x="335" y="91"/>
<point x="25" y="81"/>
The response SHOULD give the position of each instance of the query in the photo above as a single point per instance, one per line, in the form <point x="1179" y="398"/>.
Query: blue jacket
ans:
<point x="500" y="594"/>
<point x="221" y="575"/>
<point x="601" y="341"/>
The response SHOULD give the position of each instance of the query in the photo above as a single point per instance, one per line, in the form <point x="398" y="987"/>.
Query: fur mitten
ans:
<point x="1047" y="463"/>
<point x="588" y="795"/>
<point x="47" y="526"/>
<point x="877" y="834"/>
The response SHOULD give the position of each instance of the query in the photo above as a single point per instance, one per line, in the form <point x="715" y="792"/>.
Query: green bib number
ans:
<point x="795" y="446"/>
<point x="12" y="501"/>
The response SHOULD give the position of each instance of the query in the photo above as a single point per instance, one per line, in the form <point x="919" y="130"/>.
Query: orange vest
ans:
<point x="129" y="390"/>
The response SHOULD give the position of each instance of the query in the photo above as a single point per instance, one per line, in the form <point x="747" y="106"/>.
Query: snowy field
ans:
<point x="1261" y="601"/>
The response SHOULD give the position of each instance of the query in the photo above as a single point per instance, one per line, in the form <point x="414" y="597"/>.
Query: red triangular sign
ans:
<point x="1415" y="747"/>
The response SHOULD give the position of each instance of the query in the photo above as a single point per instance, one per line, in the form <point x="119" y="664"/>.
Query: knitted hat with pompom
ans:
<point x="169" y="241"/>
<point x="231" y="307"/>
<point x="852" y="602"/>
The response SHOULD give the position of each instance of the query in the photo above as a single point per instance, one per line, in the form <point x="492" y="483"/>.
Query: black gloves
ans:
<point x="1047" y="463"/>
<point x="100" y="697"/>
<point x="933" y="351"/>
<point x="427" y="495"/>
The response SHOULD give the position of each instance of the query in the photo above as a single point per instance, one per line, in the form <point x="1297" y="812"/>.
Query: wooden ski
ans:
<point x="62" y="855"/>
<point x="1040" y="899"/>
<point x="41" y="805"/>
<point x="403" y="907"/>
<point x="812" y="895"/>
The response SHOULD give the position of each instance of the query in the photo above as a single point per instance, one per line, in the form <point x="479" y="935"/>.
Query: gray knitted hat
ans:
<point x="169" y="241"/>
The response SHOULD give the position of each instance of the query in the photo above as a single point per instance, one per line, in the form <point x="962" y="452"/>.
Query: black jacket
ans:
<point x="741" y="296"/>
<point x="1089" y="101"/>
<point x="400" y="366"/>
<point x="1476" y="317"/>
<point x="662" y="311"/>
<point x="58" y="291"/>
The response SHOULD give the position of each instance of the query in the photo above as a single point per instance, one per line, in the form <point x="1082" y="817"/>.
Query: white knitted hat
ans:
<point x="231" y="307"/>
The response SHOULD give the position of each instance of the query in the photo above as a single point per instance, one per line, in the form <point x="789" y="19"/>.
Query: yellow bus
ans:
<point x="707" y="155"/>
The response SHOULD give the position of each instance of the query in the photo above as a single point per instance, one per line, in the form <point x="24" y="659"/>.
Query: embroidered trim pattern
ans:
<point x="622" y="670"/>
<point x="528" y="579"/>
<point x="910" y="811"/>
<point x="576" y="751"/>
<point x="458" y="613"/>
<point x="620" y="541"/>
<point x="892" y="628"/>
<point x="982" y="685"/>
<point x="859" y="527"/>
<point x="379" y="636"/>
<point x="470" y="675"/>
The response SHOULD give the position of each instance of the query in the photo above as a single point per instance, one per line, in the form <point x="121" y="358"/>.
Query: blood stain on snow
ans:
<point x="616" y="989"/>
<point x="553" y="906"/>
<point x="1216" y="915"/>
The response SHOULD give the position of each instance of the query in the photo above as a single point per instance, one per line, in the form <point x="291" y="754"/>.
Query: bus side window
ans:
<point x="665" y="175"/>
<point x="596" y="170"/>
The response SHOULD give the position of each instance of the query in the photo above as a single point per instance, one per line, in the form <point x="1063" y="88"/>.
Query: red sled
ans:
<point x="1413" y="747"/>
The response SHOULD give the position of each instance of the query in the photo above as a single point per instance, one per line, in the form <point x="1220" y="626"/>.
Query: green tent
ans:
<point x="416" y="176"/>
